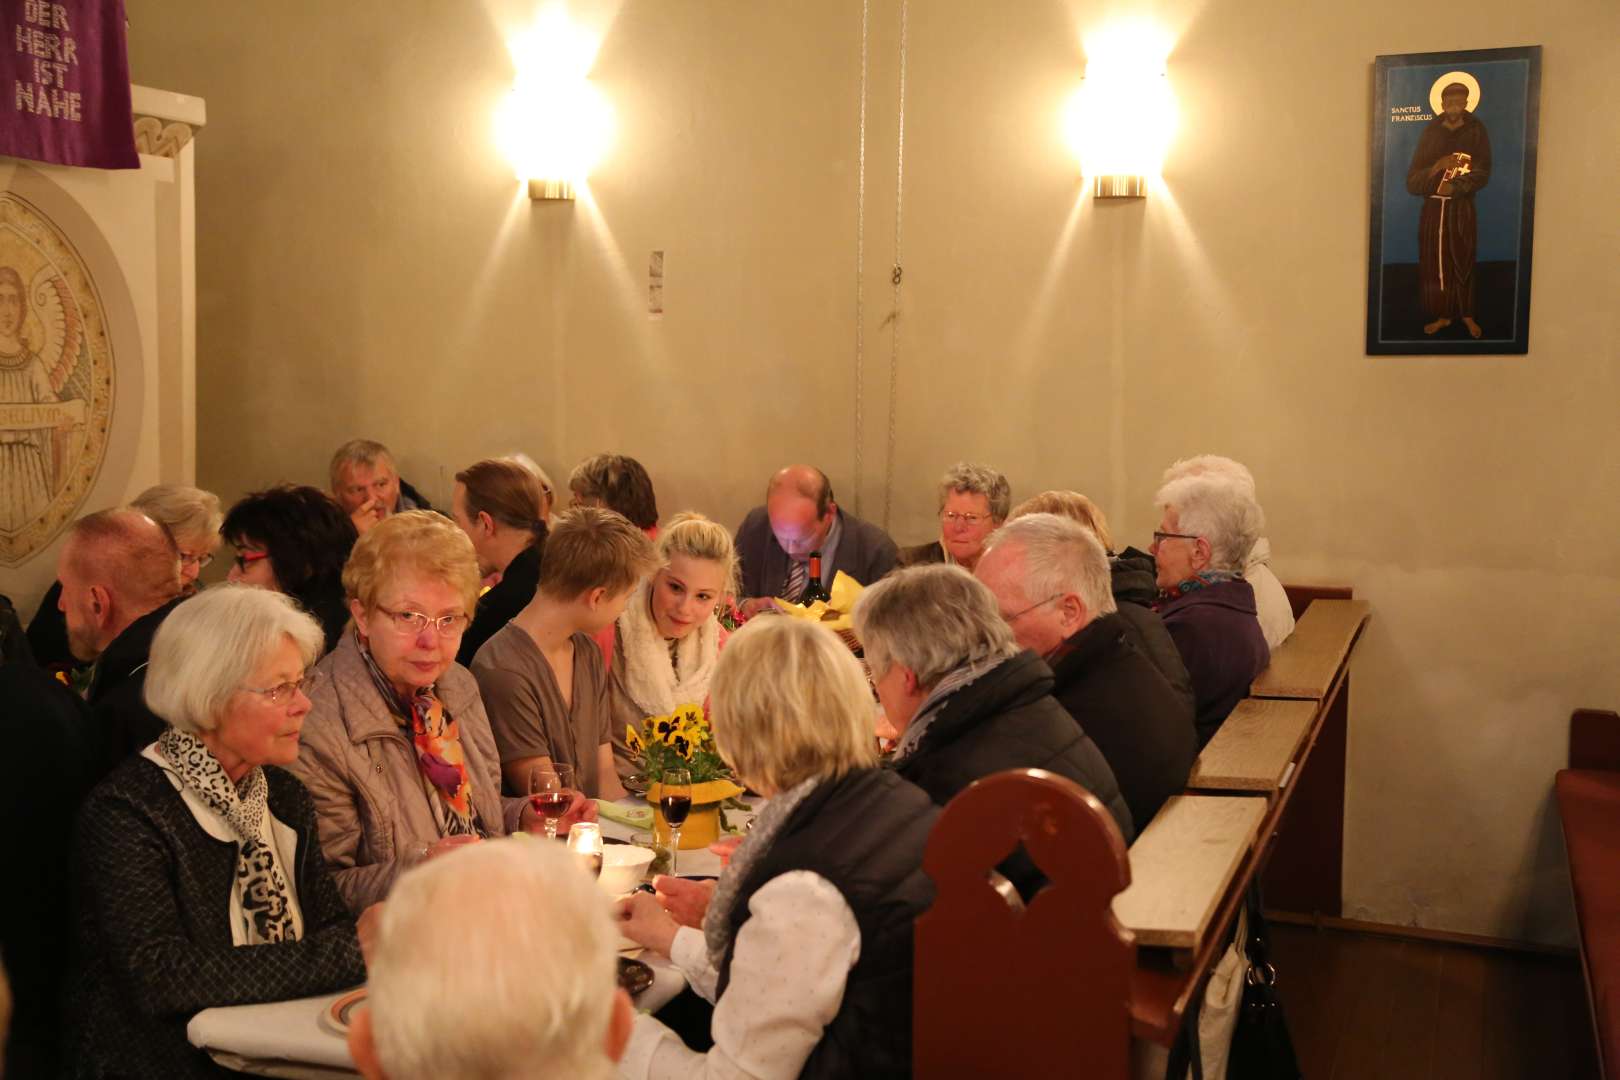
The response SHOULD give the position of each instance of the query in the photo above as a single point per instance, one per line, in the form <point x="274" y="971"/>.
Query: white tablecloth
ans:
<point x="274" y="1036"/>
<point x="700" y="862"/>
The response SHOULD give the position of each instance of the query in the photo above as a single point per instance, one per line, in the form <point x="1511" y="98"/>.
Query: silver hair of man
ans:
<point x="1220" y="509"/>
<point x="1207" y="464"/>
<point x="1060" y="556"/>
<point x="208" y="648"/>
<point x="966" y="478"/>
<point x="460" y="987"/>
<point x="932" y="619"/>
<point x="357" y="452"/>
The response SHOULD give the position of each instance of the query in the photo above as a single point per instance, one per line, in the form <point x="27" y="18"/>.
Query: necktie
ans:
<point x="798" y="577"/>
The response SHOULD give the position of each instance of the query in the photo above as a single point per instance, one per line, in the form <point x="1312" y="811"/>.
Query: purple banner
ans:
<point x="64" y="83"/>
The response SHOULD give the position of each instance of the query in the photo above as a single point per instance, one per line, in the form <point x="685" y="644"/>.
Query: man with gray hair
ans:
<point x="460" y="986"/>
<point x="120" y="575"/>
<point x="1209" y="524"/>
<point x="965" y="699"/>
<point x="1052" y="582"/>
<point x="367" y="485"/>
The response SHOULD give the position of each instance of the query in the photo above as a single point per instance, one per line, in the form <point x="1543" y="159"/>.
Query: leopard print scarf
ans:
<point x="266" y="904"/>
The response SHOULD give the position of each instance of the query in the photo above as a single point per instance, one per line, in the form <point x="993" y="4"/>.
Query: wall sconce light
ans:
<point x="1120" y="121"/>
<point x="554" y="125"/>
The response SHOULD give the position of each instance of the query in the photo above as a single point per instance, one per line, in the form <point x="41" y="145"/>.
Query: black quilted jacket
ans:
<point x="154" y="926"/>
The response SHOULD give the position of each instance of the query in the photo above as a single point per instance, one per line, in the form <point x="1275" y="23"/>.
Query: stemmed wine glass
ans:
<point x="550" y="792"/>
<point x="675" y="800"/>
<point x="585" y="841"/>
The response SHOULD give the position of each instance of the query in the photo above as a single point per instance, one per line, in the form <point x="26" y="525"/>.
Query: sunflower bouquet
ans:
<point x="684" y="740"/>
<point x="681" y="740"/>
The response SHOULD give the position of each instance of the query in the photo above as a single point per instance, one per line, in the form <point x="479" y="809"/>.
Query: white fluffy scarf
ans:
<point x="653" y="683"/>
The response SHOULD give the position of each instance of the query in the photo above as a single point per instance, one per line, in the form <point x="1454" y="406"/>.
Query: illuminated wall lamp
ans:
<point x="1120" y="121"/>
<point x="554" y="125"/>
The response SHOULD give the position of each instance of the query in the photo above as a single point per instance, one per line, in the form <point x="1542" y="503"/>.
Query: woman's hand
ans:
<point x="579" y="809"/>
<point x="686" y="901"/>
<point x="644" y="921"/>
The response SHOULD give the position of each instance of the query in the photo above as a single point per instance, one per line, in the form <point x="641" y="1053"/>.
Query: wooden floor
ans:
<point x="1365" y="1006"/>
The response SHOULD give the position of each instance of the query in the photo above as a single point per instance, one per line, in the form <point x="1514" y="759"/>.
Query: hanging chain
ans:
<point x="895" y="277"/>
<point x="860" y="266"/>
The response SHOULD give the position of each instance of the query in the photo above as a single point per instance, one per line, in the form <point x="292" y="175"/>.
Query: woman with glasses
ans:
<point x="973" y="502"/>
<point x="201" y="882"/>
<point x="192" y="517"/>
<point x="294" y="540"/>
<point x="397" y="751"/>
<point x="1208" y="525"/>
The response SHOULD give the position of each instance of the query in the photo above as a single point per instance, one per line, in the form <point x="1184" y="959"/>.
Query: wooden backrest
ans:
<point x="1183" y="864"/>
<point x="1045" y="992"/>
<point x="1300" y="596"/>
<point x="1594" y="739"/>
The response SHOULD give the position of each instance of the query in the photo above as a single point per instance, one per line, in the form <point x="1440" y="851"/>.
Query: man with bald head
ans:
<point x="800" y="516"/>
<point x="120" y="575"/>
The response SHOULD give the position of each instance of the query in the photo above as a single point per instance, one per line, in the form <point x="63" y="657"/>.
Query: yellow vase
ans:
<point x="702" y="826"/>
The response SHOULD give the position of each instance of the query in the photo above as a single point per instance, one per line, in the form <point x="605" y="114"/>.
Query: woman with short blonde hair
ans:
<point x="666" y="643"/>
<point x="397" y="750"/>
<point x="973" y="503"/>
<point x="1072" y="505"/>
<point x="192" y="517"/>
<point x="827" y="882"/>
<point x="201" y="874"/>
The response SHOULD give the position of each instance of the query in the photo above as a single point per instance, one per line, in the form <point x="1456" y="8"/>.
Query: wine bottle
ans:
<point x="813" y="588"/>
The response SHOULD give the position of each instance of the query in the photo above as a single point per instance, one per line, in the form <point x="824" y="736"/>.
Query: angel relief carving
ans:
<point x="55" y="380"/>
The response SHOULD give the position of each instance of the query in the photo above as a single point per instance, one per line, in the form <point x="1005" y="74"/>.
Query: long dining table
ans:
<point x="298" y="1039"/>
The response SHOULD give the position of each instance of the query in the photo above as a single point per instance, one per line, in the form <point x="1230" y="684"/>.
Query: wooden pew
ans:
<point x="1308" y="664"/>
<point x="1306" y="871"/>
<point x="1255" y="749"/>
<point x="1181" y="867"/>
<point x="1041" y="992"/>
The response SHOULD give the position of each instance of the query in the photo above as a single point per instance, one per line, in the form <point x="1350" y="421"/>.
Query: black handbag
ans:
<point x="1261" y="1046"/>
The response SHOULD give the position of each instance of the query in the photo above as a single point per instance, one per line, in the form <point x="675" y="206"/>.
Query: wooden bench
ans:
<point x="1309" y="663"/>
<point x="1588" y="795"/>
<point x="1256" y="747"/>
<point x="1181" y="867"/>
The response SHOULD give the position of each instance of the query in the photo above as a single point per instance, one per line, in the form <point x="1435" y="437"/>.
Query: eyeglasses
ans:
<point x="199" y="561"/>
<point x="282" y="693"/>
<point x="951" y="517"/>
<point x="1159" y="537"/>
<point x="1010" y="619"/>
<point x="242" y="559"/>
<point x="414" y="622"/>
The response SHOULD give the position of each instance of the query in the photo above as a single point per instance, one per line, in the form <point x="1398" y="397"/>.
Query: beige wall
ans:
<point x="367" y="264"/>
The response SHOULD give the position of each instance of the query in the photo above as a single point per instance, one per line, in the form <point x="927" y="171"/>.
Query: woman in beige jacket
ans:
<point x="397" y="750"/>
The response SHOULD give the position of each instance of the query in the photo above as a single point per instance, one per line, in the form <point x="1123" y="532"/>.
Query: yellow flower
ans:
<point x="682" y="746"/>
<point x="663" y="727"/>
<point x="691" y="715"/>
<point x="633" y="740"/>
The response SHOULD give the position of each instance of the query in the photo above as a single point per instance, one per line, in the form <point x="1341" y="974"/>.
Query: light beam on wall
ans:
<point x="1119" y="123"/>
<point x="554" y="126"/>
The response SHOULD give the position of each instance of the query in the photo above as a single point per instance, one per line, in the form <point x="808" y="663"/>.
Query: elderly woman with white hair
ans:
<point x="973" y="502"/>
<point x="1271" y="603"/>
<point x="201" y="879"/>
<point x="806" y="943"/>
<point x="1208" y="525"/>
<point x="966" y="701"/>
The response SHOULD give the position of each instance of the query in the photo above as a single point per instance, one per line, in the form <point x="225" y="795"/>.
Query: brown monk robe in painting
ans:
<point x="1452" y="161"/>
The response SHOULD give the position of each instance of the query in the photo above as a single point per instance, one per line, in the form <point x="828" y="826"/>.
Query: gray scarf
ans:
<point x="717" y="931"/>
<point x="938" y="697"/>
<point x="265" y="894"/>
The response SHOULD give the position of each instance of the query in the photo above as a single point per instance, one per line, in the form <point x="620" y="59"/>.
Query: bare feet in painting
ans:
<point x="1438" y="325"/>
<point x="1473" y="327"/>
